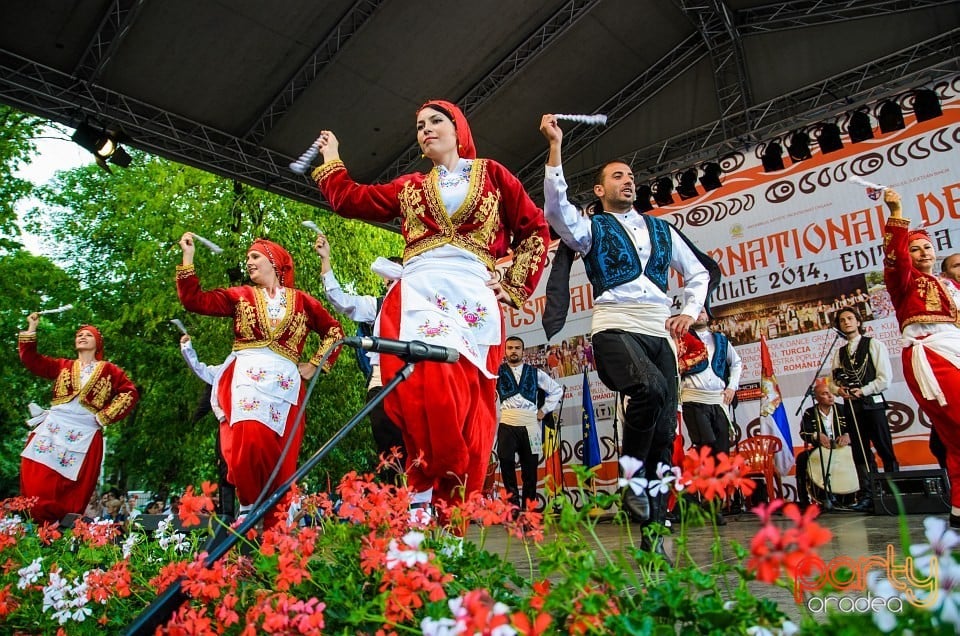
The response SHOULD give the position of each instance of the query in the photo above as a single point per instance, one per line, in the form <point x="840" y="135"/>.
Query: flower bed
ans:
<point x="366" y="568"/>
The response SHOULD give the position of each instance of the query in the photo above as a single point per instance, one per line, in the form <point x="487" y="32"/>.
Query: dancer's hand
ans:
<point x="892" y="199"/>
<point x="189" y="248"/>
<point x="678" y="325"/>
<point x="32" y="321"/>
<point x="498" y="291"/>
<point x="328" y="146"/>
<point x="307" y="370"/>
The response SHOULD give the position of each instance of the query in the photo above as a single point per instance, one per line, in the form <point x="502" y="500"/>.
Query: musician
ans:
<point x="823" y="428"/>
<point x="861" y="372"/>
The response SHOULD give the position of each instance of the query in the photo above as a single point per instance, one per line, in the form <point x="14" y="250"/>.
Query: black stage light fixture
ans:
<point x="799" y="147"/>
<point x="773" y="157"/>
<point x="829" y="138"/>
<point x="926" y="104"/>
<point x="890" y="117"/>
<point x="711" y="176"/>
<point x="859" y="128"/>
<point x="643" y="199"/>
<point x="663" y="192"/>
<point x="687" y="184"/>
<point x="104" y="145"/>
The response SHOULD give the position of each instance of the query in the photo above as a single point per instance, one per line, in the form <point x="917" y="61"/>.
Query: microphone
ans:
<point x="413" y="351"/>
<point x="838" y="332"/>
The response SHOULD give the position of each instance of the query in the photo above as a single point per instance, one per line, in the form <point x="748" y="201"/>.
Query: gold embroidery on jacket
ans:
<point x="488" y="219"/>
<point x="246" y="319"/>
<point x="297" y="331"/>
<point x="101" y="392"/>
<point x="62" y="386"/>
<point x="526" y="260"/>
<point x="478" y="177"/>
<point x="117" y="408"/>
<point x="930" y="292"/>
<point x="412" y="208"/>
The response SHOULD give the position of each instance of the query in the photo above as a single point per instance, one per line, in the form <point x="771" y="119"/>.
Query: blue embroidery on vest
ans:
<point x="719" y="361"/>
<point x="613" y="258"/>
<point x="507" y="385"/>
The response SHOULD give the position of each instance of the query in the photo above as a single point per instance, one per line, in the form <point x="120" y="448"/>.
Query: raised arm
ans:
<point x="35" y="363"/>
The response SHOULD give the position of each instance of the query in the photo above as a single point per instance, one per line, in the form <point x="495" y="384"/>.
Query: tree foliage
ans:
<point x="115" y="240"/>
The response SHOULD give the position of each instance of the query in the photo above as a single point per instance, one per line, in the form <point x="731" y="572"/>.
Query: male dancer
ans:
<point x="861" y="372"/>
<point x="627" y="256"/>
<point x="519" y="431"/>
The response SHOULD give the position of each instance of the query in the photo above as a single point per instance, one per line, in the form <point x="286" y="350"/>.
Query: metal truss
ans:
<point x="631" y="97"/>
<point x="113" y="28"/>
<point x="779" y="16"/>
<point x="870" y="82"/>
<point x="715" y="24"/>
<point x="53" y="94"/>
<point x="348" y="26"/>
<point x="502" y="73"/>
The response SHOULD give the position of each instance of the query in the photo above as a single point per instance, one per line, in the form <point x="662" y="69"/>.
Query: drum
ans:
<point x="837" y="465"/>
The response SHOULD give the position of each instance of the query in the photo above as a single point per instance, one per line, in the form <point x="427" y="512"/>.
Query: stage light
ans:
<point x="859" y="128"/>
<point x="104" y="145"/>
<point x="799" y="147"/>
<point x="926" y="104"/>
<point x="829" y="138"/>
<point x="663" y="192"/>
<point x="711" y="176"/>
<point x="772" y="157"/>
<point x="890" y="117"/>
<point x="643" y="199"/>
<point x="687" y="184"/>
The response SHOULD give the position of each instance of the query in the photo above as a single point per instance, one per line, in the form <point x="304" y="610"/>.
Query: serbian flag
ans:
<point x="773" y="417"/>
<point x="591" y="443"/>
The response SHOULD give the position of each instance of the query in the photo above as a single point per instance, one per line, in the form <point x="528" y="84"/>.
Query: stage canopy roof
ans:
<point x="241" y="88"/>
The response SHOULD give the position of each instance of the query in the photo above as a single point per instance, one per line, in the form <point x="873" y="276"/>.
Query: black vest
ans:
<point x="613" y="259"/>
<point x="862" y="368"/>
<point x="507" y="385"/>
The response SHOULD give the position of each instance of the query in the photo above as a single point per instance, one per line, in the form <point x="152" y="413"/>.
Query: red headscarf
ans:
<point x="280" y="259"/>
<point x="96" y="338"/>
<point x="917" y="234"/>
<point x="465" y="147"/>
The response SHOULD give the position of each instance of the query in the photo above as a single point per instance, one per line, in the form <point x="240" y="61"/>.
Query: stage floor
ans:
<point x="855" y="535"/>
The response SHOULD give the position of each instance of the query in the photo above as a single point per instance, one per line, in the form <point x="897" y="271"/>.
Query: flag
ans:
<point x="773" y="417"/>
<point x="552" y="464"/>
<point x="591" y="444"/>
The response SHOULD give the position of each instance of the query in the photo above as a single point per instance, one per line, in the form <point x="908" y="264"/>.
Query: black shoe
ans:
<point x="655" y="546"/>
<point x="637" y="506"/>
<point x="954" y="521"/>
<point x="720" y="519"/>
<point x="864" y="505"/>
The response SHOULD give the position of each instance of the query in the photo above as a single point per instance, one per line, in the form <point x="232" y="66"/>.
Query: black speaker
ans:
<point x="922" y="492"/>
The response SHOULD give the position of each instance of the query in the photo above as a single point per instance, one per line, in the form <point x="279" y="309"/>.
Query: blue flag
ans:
<point x="591" y="444"/>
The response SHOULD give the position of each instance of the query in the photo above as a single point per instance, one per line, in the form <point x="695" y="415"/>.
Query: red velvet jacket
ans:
<point x="251" y="325"/>
<point x="496" y="216"/>
<point x="108" y="393"/>
<point x="917" y="297"/>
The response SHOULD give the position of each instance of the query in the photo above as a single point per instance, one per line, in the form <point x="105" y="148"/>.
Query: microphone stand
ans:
<point x="225" y="538"/>
<point x="823" y="361"/>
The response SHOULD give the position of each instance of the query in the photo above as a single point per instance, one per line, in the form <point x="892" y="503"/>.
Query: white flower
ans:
<point x="883" y="618"/>
<point x="397" y="555"/>
<point x="942" y="542"/>
<point x="180" y="542"/>
<point x="128" y="543"/>
<point x="440" y="627"/>
<point x="30" y="574"/>
<point x="666" y="475"/>
<point x="787" y="628"/>
<point x="631" y="466"/>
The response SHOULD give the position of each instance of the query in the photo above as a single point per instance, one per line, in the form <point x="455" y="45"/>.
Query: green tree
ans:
<point x="17" y="132"/>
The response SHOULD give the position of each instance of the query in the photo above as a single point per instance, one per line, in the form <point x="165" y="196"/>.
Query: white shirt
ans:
<point x="575" y="230"/>
<point x="881" y="361"/>
<point x="354" y="307"/>
<point x="553" y="389"/>
<point x="826" y="420"/>
<point x="707" y="380"/>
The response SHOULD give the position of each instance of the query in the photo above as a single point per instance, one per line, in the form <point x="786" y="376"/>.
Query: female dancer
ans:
<point x="457" y="219"/>
<point x="927" y="312"/>
<point x="61" y="463"/>
<point x="260" y="390"/>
